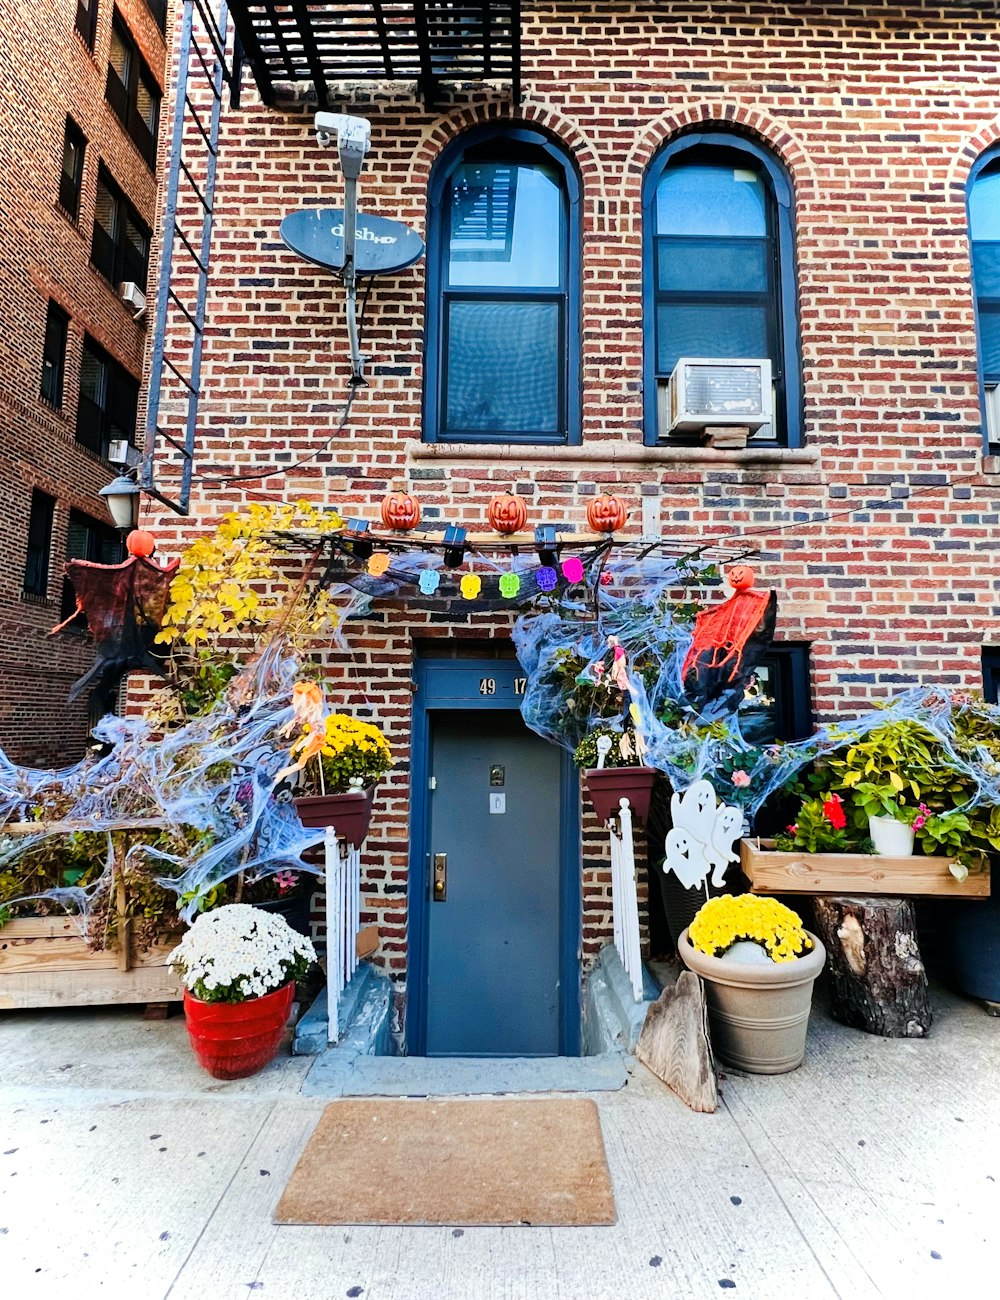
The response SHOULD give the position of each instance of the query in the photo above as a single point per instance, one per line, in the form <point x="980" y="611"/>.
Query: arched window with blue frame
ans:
<point x="502" y="354"/>
<point x="719" y="272"/>
<point x="984" y="237"/>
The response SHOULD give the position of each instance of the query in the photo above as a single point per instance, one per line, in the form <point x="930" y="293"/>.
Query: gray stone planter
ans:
<point x="758" y="1014"/>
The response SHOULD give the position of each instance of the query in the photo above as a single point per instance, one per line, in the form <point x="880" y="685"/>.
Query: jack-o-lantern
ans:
<point x="606" y="514"/>
<point x="400" y="511"/>
<point x="507" y="513"/>
<point x="740" y="577"/>
<point x="141" y="543"/>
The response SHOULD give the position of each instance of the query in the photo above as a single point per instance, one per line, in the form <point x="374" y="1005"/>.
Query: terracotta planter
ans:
<point x="607" y="785"/>
<point x="892" y="838"/>
<point x="349" y="814"/>
<point x="758" y="1014"/>
<point x="234" y="1039"/>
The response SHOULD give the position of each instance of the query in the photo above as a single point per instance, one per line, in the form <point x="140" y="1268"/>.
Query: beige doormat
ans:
<point x="453" y="1162"/>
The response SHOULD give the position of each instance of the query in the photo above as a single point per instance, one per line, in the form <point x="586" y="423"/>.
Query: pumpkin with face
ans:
<point x="740" y="577"/>
<point x="606" y="513"/>
<point x="507" y="513"/>
<point x="400" y="511"/>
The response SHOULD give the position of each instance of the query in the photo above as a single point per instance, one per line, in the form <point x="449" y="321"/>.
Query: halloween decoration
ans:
<point x="729" y="641"/>
<point x="378" y="564"/>
<point x="507" y="513"/>
<point x="510" y="585"/>
<point x="400" y="512"/>
<point x="606" y="514"/>
<point x="470" y="586"/>
<point x="429" y="582"/>
<point x="140" y="543"/>
<point x="701" y="837"/>
<point x="573" y="569"/>
<point x="546" y="577"/>
<point x="124" y="605"/>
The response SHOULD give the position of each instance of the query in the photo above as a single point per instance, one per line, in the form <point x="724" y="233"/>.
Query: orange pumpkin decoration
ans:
<point x="740" y="577"/>
<point x="139" y="542"/>
<point x="606" y="514"/>
<point x="400" y="511"/>
<point x="507" y="513"/>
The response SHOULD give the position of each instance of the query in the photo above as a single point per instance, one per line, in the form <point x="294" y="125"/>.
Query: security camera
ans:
<point x="352" y="136"/>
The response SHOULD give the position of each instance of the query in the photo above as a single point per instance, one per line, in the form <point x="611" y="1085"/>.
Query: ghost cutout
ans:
<point x="701" y="838"/>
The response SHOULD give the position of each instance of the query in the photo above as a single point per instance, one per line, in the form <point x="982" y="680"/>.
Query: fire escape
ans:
<point x="286" y="43"/>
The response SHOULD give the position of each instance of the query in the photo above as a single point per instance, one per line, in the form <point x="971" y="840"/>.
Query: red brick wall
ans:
<point x="49" y="72"/>
<point x="878" y="111"/>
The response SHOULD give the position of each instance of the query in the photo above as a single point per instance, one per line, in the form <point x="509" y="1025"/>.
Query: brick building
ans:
<point x="735" y="179"/>
<point x="79" y="106"/>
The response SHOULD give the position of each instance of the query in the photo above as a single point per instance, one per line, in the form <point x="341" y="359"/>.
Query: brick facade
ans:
<point x="48" y="72"/>
<point x="880" y="534"/>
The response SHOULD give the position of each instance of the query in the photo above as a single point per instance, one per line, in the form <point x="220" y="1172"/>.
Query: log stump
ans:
<point x="877" y="978"/>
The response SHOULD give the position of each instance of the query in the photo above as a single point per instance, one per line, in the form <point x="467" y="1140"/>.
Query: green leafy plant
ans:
<point x="820" y="827"/>
<point x="586" y="754"/>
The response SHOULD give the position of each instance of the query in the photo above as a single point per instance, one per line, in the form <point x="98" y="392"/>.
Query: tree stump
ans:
<point x="878" y="982"/>
<point x="674" y="1043"/>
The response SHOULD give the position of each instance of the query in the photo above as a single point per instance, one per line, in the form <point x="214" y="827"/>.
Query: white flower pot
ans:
<point x="892" y="838"/>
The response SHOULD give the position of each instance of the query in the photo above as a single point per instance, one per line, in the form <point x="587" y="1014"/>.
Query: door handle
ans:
<point x="439" y="891"/>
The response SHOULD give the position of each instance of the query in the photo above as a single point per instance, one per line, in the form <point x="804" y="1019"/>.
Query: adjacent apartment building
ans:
<point x="604" y="187"/>
<point x="79" y="124"/>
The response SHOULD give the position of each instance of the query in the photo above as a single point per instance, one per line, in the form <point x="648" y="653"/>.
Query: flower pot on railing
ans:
<point x="349" y="814"/>
<point x="607" y="786"/>
<point x="892" y="838"/>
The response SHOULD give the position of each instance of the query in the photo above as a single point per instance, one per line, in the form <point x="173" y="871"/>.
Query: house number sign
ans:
<point x="488" y="685"/>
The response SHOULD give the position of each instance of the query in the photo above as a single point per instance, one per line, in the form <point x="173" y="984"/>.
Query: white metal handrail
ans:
<point x="343" y="921"/>
<point x="624" y="896"/>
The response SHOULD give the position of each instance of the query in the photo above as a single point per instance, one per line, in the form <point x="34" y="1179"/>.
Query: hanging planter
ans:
<point x="608" y="785"/>
<point x="349" y="814"/>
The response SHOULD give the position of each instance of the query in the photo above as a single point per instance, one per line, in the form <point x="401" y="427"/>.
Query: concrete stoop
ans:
<point x="612" y="1019"/>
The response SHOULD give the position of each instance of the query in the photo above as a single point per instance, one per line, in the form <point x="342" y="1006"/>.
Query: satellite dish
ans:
<point x="382" y="246"/>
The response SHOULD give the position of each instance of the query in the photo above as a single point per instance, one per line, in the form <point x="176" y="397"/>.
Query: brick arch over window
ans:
<point x="716" y="288"/>
<point x="502" y="320"/>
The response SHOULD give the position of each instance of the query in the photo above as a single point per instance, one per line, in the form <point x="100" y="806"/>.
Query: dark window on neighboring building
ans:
<point x="777" y="704"/>
<point x="71" y="177"/>
<point x="719" y="271"/>
<point x="984" y="234"/>
<point x="991" y="673"/>
<point x="158" y="8"/>
<point x="88" y="539"/>
<point x="36" y="569"/>
<point x="131" y="90"/>
<point x="503" y="333"/>
<point x="86" y="20"/>
<point x="109" y="398"/>
<point x="120" y="248"/>
<point x="54" y="355"/>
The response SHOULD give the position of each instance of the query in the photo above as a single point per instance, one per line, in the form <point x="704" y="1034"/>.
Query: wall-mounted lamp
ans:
<point x="121" y="497"/>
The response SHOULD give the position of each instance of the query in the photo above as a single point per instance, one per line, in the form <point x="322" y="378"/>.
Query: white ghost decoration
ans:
<point x="701" y="839"/>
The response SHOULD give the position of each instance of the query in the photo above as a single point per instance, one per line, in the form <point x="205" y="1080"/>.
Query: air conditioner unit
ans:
<point x="705" y="392"/>
<point x="132" y="296"/>
<point x="121" y="452"/>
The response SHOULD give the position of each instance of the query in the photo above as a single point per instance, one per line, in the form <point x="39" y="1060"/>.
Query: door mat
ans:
<point x="487" y="1163"/>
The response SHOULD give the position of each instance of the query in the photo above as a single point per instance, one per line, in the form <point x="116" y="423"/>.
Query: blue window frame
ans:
<point x="984" y="237"/>
<point x="503" y="299"/>
<point x="719" y="269"/>
<point x="991" y="673"/>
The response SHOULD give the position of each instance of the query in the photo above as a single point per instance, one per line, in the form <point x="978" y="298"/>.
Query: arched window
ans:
<point x="720" y="272"/>
<point x="984" y="235"/>
<point x="503" y="332"/>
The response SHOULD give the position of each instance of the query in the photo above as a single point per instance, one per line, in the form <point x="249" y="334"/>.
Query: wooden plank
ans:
<point x="23" y="989"/>
<point x="70" y="828"/>
<point x="42" y="927"/>
<point x="674" y="1043"/>
<point x="366" y="941"/>
<point x="71" y="953"/>
<point x="771" y="872"/>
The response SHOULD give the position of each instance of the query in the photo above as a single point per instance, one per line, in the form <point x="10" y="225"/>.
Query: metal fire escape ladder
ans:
<point x="201" y="59"/>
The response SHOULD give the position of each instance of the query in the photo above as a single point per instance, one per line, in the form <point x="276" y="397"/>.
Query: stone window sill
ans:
<point x="608" y="451"/>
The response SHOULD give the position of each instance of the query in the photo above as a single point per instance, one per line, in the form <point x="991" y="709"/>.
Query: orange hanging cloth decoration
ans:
<point x="729" y="642"/>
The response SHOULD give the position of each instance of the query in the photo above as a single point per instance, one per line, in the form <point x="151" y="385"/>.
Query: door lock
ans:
<point x="440" y="891"/>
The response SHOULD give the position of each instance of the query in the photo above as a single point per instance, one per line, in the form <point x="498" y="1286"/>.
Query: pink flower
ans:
<point x="741" y="779"/>
<point x="792" y="829"/>
<point x="286" y="880"/>
<point x="834" y="813"/>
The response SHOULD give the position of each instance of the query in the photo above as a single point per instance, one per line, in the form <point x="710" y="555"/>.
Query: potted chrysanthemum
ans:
<point x="759" y="965"/>
<point x="239" y="965"/>
<point x="338" y="762"/>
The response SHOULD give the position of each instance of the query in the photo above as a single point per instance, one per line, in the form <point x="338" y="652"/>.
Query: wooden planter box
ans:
<point x="45" y="962"/>
<point x="771" y="872"/>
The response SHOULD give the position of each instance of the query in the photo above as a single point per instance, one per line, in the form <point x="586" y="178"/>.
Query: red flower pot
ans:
<point x="607" y="785"/>
<point x="234" y="1039"/>
<point x="349" y="814"/>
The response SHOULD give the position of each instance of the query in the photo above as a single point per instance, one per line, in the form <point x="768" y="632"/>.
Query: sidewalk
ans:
<point x="873" y="1171"/>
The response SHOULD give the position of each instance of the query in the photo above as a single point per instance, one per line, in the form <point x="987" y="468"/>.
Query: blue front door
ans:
<point x="495" y="894"/>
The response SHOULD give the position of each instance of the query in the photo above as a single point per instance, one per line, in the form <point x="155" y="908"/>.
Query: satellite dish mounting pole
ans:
<point x="353" y="137"/>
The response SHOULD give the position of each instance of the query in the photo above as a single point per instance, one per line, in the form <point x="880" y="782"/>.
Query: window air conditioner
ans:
<point x="706" y="392"/>
<point x="132" y="296"/>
